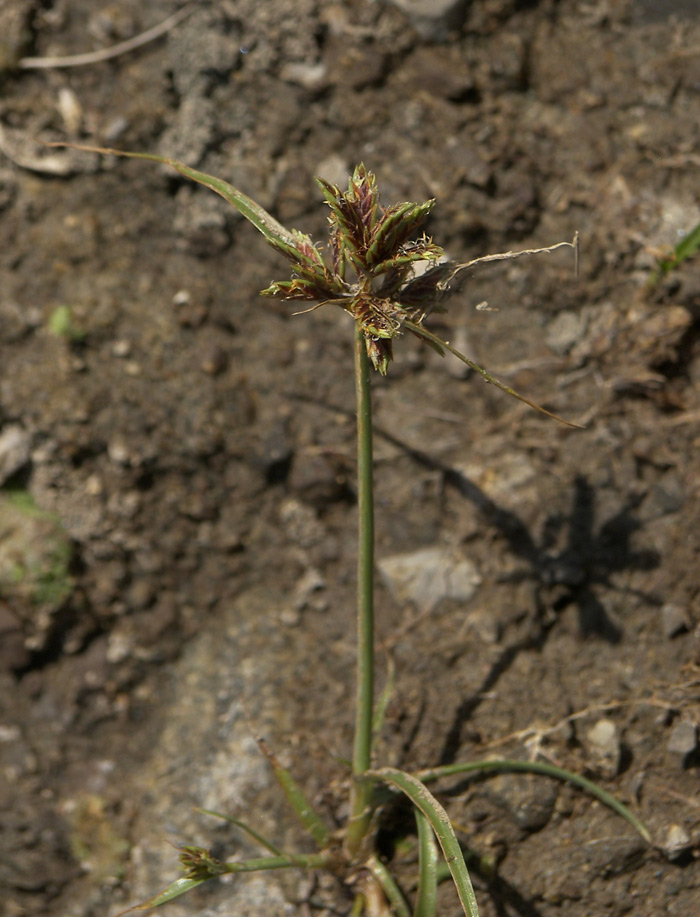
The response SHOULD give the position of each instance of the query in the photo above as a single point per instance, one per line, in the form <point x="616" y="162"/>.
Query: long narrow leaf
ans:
<point x="439" y="820"/>
<point x="259" y="864"/>
<point x="306" y="813"/>
<point x="508" y="765"/>
<point x="383" y="701"/>
<point x="275" y="233"/>
<point x="268" y="845"/>
<point x="173" y="891"/>
<point x="426" y="902"/>
<point x="439" y="345"/>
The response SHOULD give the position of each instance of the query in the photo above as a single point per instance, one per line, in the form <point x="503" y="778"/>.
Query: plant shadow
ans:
<point x="575" y="556"/>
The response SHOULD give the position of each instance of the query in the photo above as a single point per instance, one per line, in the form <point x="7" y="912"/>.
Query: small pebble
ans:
<point x="115" y="128"/>
<point x="70" y="110"/>
<point x="434" y="19"/>
<point x="674" y="620"/>
<point x="214" y="360"/>
<point x="276" y="453"/>
<point x="182" y="298"/>
<point x="683" y="740"/>
<point x="290" y="617"/>
<point x="313" y="77"/>
<point x="14" y="450"/>
<point x="427" y="576"/>
<point x="677" y="842"/>
<point x="301" y="524"/>
<point x="118" y="451"/>
<point x="119" y="647"/>
<point x="310" y="582"/>
<point x="121" y="348"/>
<point x="605" y="746"/>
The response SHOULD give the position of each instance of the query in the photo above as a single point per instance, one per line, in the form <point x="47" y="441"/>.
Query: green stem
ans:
<point x="362" y="791"/>
<point x="306" y="861"/>
<point x="389" y="886"/>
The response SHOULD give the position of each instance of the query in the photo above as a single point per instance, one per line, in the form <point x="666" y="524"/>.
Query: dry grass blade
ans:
<point x="96" y="57"/>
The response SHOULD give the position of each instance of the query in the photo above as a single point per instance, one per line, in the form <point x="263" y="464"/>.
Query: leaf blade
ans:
<point x="306" y="813"/>
<point x="274" y="232"/>
<point x="267" y="845"/>
<point x="426" y="903"/>
<point x="509" y="765"/>
<point x="388" y="885"/>
<point x="421" y="332"/>
<point x="439" y="821"/>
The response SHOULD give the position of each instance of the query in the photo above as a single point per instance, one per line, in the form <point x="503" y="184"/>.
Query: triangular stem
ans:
<point x="361" y="797"/>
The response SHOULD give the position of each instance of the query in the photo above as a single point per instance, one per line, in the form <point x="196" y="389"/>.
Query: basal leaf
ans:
<point x="426" y="903"/>
<point x="389" y="886"/>
<point x="439" y="820"/>
<point x="306" y="813"/>
<point x="174" y="890"/>
<point x="509" y="765"/>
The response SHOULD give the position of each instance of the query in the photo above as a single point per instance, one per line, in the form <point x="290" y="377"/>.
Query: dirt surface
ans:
<point x="177" y="522"/>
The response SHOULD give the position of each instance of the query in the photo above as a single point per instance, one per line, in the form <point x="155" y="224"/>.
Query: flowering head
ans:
<point x="386" y="279"/>
<point x="374" y="262"/>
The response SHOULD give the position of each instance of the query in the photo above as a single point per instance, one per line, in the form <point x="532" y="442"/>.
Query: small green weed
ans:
<point x="688" y="246"/>
<point x="62" y="324"/>
<point x="35" y="565"/>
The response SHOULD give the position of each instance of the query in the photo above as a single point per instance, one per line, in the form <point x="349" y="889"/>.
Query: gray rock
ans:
<point x="429" y="575"/>
<point x="317" y="479"/>
<point x="201" y="51"/>
<point x="14" y="450"/>
<point x="683" y="740"/>
<point x="676" y="843"/>
<point x="434" y="19"/>
<point x="207" y="756"/>
<point x="674" y="619"/>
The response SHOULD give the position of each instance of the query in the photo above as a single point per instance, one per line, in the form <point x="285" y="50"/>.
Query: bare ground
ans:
<point x="177" y="512"/>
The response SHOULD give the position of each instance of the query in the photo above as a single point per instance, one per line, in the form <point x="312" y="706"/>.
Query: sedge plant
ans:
<point x="388" y="279"/>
